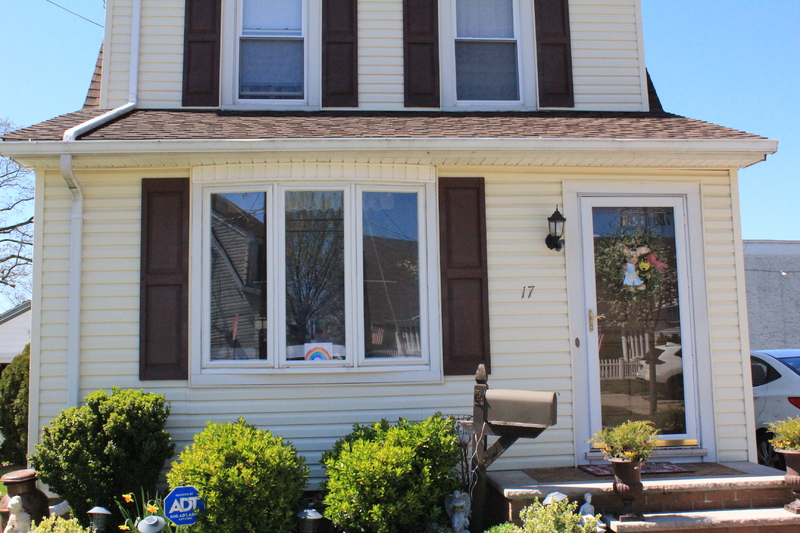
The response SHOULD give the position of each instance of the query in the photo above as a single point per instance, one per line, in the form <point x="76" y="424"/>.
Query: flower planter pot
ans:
<point x="628" y="486"/>
<point x="792" y="478"/>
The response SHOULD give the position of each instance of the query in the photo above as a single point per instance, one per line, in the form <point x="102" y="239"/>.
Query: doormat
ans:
<point x="647" y="468"/>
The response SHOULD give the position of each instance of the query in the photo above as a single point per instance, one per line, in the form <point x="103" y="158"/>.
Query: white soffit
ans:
<point x="711" y="153"/>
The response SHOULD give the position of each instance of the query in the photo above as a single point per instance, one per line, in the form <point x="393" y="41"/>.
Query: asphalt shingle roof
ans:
<point x="161" y="124"/>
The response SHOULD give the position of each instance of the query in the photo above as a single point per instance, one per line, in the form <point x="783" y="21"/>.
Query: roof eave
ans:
<point x="742" y="152"/>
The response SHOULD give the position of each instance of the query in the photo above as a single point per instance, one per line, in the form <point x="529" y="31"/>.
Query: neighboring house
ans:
<point x="314" y="213"/>
<point x="772" y="270"/>
<point x="15" y="331"/>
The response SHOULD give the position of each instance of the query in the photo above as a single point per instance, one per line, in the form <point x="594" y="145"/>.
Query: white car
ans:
<point x="776" y="396"/>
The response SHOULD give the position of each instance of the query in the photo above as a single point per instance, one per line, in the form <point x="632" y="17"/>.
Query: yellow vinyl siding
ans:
<point x="530" y="337"/>
<point x="607" y="59"/>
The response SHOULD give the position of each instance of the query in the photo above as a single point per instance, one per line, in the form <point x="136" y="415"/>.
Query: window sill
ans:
<point x="314" y="376"/>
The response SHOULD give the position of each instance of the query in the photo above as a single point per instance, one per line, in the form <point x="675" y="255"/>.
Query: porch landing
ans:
<point x="738" y="497"/>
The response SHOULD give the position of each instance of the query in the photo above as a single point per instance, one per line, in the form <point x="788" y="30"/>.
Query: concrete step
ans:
<point x="730" y="521"/>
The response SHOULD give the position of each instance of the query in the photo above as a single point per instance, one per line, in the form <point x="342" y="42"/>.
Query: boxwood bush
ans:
<point x="14" y="408"/>
<point x="114" y="444"/>
<point x="56" y="524"/>
<point x="251" y="481"/>
<point x="387" y="478"/>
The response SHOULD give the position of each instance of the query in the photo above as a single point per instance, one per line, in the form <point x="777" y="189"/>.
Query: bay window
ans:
<point x="317" y="278"/>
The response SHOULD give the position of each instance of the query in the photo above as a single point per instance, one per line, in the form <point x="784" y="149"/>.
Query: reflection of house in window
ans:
<point x="391" y="297"/>
<point x="238" y="277"/>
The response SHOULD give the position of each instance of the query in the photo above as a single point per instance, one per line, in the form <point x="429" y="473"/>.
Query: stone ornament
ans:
<point x="587" y="509"/>
<point x="458" y="506"/>
<point x="18" y="521"/>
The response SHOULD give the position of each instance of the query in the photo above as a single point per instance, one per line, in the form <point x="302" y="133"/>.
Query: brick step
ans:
<point x="724" y="521"/>
<point x="757" y="487"/>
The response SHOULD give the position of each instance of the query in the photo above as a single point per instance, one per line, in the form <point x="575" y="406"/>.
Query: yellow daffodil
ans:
<point x="128" y="498"/>
<point x="644" y="266"/>
<point x="124" y="528"/>
<point x="152" y="508"/>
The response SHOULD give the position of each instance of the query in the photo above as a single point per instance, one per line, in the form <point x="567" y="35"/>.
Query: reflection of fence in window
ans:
<point x="635" y="349"/>
<point x="406" y="341"/>
<point x="618" y="369"/>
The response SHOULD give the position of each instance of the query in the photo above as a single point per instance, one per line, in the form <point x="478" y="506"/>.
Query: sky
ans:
<point x="730" y="62"/>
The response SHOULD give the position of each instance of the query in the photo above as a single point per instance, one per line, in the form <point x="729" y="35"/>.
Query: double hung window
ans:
<point x="272" y="50"/>
<point x="486" y="51"/>
<point x="306" y="277"/>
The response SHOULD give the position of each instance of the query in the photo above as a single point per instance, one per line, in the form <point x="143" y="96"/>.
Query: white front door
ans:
<point x="634" y="316"/>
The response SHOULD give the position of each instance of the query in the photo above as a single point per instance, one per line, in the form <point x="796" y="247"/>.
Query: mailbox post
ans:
<point x="509" y="415"/>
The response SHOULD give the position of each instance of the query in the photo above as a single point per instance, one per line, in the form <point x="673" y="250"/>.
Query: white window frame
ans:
<point x="229" y="51"/>
<point x="526" y="61"/>
<point x="356" y="368"/>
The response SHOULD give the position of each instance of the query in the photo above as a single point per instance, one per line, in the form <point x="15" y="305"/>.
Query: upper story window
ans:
<point x="270" y="54"/>
<point x="272" y="50"/>
<point x="487" y="62"/>
<point x="487" y="54"/>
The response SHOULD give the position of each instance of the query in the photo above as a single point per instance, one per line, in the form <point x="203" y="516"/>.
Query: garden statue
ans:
<point x="458" y="505"/>
<point x="18" y="520"/>
<point x="587" y="509"/>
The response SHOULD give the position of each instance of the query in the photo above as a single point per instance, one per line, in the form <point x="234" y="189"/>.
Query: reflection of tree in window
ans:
<point x="315" y="267"/>
<point x="238" y="276"/>
<point x="391" y="275"/>
<point x="641" y="328"/>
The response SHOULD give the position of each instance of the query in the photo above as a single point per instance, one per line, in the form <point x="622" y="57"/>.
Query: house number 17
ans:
<point x="528" y="288"/>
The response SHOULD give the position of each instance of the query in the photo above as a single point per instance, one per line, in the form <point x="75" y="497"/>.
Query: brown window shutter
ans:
<point x="201" y="40"/>
<point x="554" y="53"/>
<point x="339" y="53"/>
<point x="164" y="296"/>
<point x="465" y="285"/>
<point x="421" y="53"/>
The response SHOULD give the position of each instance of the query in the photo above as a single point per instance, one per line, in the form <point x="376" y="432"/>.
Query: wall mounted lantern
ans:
<point x="555" y="224"/>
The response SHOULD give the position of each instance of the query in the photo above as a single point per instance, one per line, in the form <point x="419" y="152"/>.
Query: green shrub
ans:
<point x="14" y="408"/>
<point x="557" y="517"/>
<point x="392" y="479"/>
<point x="508" y="527"/>
<point x="56" y="524"/>
<point x="250" y="480"/>
<point x="114" y="444"/>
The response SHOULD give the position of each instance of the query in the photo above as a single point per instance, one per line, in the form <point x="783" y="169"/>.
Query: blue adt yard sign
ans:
<point x="181" y="505"/>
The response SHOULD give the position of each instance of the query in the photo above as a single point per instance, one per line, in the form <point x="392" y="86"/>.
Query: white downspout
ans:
<point x="76" y="217"/>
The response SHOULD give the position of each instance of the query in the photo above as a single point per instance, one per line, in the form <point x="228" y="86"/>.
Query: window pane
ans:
<point x="272" y="15"/>
<point x="315" y="311"/>
<point x="391" y="275"/>
<point x="271" y="68"/>
<point x="486" y="71"/>
<point x="238" y="276"/>
<point x="485" y="18"/>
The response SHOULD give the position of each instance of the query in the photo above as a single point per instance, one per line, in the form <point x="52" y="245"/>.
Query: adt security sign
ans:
<point x="181" y="505"/>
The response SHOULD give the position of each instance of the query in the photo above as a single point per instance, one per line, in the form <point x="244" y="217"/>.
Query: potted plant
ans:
<point x="786" y="441"/>
<point x="626" y="446"/>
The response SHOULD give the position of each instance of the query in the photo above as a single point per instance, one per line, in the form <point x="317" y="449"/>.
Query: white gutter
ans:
<point x="455" y="145"/>
<point x="76" y="217"/>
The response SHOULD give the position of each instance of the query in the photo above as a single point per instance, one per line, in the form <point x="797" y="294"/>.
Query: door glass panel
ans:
<point x="639" y="338"/>
<point x="315" y="305"/>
